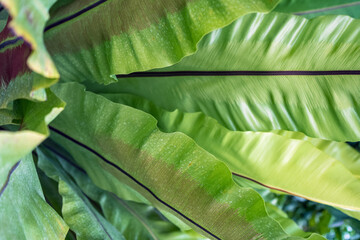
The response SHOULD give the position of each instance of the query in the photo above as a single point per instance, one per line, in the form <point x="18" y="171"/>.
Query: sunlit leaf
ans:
<point x="281" y="91"/>
<point x="267" y="158"/>
<point x="170" y="170"/>
<point x="104" y="38"/>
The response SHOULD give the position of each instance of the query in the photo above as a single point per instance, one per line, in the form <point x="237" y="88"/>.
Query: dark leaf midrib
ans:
<point x="112" y="194"/>
<point x="239" y="73"/>
<point x="133" y="179"/>
<point x="10" y="42"/>
<point x="59" y="22"/>
<point x="72" y="16"/>
<point x="8" y="177"/>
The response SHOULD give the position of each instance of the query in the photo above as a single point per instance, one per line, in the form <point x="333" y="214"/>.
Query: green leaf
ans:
<point x="311" y="9"/>
<point x="342" y="152"/>
<point x="170" y="170"/>
<point x="26" y="68"/>
<point x="77" y="210"/>
<point x="133" y="220"/>
<point x="267" y="158"/>
<point x="104" y="38"/>
<point x="28" y="21"/>
<point x="3" y="19"/>
<point x="323" y="106"/>
<point x="33" y="119"/>
<point x="23" y="210"/>
<point x="17" y="80"/>
<point x="14" y="146"/>
<point x="288" y="225"/>
<point x="91" y="164"/>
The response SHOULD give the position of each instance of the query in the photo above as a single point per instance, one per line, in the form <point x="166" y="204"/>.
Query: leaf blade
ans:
<point x="23" y="222"/>
<point x="322" y="106"/>
<point x="169" y="31"/>
<point x="218" y="172"/>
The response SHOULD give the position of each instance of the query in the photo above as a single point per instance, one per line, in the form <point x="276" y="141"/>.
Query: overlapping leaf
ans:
<point x="14" y="146"/>
<point x="91" y="165"/>
<point x="26" y="70"/>
<point x="23" y="209"/>
<point x="133" y="220"/>
<point x="170" y="170"/>
<point x="77" y="210"/>
<point x="93" y="40"/>
<point x="323" y="104"/>
<point x="268" y="158"/>
<point x="33" y="118"/>
<point x="28" y="22"/>
<point x="16" y="79"/>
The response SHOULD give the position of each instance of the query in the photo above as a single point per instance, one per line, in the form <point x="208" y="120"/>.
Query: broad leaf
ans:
<point x="267" y="158"/>
<point x="311" y="9"/>
<point x="23" y="209"/>
<point x="133" y="220"/>
<point x="258" y="74"/>
<point x="104" y="38"/>
<point x="170" y="170"/>
<point x="91" y="165"/>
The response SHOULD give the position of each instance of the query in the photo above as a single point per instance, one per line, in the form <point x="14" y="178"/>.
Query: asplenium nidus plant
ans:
<point x="162" y="117"/>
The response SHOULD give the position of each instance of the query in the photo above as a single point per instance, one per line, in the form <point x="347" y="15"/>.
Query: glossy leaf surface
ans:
<point x="174" y="174"/>
<point x="342" y="152"/>
<point x="108" y="37"/>
<point x="272" y="160"/>
<point x="324" y="105"/>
